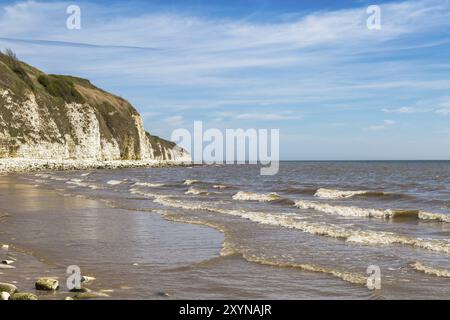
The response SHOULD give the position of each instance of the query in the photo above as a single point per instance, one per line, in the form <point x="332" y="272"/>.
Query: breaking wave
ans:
<point x="251" y="196"/>
<point x="220" y="186"/>
<point x="148" y="184"/>
<point x="439" y="272"/>
<point x="343" y="275"/>
<point x="351" y="211"/>
<point x="365" y="237"/>
<point x="114" y="182"/>
<point x="228" y="249"/>
<point x="190" y="182"/>
<point x="341" y="194"/>
<point x="195" y="191"/>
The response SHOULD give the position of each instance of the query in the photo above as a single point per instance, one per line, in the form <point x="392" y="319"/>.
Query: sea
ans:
<point x="315" y="230"/>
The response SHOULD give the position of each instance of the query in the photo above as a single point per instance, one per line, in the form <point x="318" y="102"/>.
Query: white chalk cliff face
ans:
<point x="60" y="117"/>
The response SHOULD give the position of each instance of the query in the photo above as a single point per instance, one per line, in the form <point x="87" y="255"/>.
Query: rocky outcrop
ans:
<point x="61" y="117"/>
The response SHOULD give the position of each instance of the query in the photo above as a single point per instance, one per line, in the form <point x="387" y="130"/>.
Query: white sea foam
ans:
<point x="345" y="211"/>
<point x="252" y="196"/>
<point x="219" y="186"/>
<point x="189" y="182"/>
<point x="343" y="275"/>
<point x="338" y="194"/>
<point x="442" y="217"/>
<point x="114" y="182"/>
<point x="149" y="184"/>
<point x="365" y="237"/>
<point x="195" y="191"/>
<point x="439" y="272"/>
<point x="352" y="211"/>
<point x="77" y="182"/>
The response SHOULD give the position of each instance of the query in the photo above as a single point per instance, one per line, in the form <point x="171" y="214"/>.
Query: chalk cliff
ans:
<point x="46" y="116"/>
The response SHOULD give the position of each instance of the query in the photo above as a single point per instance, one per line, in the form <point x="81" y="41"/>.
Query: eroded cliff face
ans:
<point x="60" y="117"/>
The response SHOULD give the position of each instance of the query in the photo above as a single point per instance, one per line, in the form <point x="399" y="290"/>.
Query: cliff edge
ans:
<point x="44" y="116"/>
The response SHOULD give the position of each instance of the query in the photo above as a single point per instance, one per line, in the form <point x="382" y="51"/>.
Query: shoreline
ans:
<point x="32" y="258"/>
<point x="25" y="165"/>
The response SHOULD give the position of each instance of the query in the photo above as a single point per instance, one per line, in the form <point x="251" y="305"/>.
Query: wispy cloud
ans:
<point x="386" y="124"/>
<point x="324" y="65"/>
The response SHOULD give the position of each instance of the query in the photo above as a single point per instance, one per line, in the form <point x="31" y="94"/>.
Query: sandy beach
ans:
<point x="47" y="231"/>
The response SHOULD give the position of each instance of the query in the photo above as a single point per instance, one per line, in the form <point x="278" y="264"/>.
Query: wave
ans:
<point x="441" y="217"/>
<point x="148" y="184"/>
<point x="78" y="183"/>
<point x="197" y="191"/>
<point x="229" y="250"/>
<point x="439" y="272"/>
<point x="351" y="211"/>
<point x="343" y="275"/>
<point x="189" y="182"/>
<point x="365" y="237"/>
<point x="261" y="197"/>
<point x="341" y="194"/>
<point x="219" y="186"/>
<point x="294" y="190"/>
<point x="114" y="182"/>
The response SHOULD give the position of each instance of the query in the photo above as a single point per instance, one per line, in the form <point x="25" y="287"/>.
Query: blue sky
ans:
<point x="334" y="88"/>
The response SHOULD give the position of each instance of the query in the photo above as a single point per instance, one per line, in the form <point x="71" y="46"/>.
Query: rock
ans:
<point x="23" y="296"/>
<point x="68" y="298"/>
<point x="6" y="261"/>
<point x="90" y="295"/>
<point x="9" y="288"/>
<point x="6" y="266"/>
<point x="48" y="284"/>
<point x="5" y="247"/>
<point x="4" y="296"/>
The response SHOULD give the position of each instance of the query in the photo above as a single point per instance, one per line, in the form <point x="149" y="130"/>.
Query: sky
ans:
<point x="336" y="89"/>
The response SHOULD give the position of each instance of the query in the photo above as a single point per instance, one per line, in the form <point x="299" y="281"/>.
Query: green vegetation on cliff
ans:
<point x="36" y="107"/>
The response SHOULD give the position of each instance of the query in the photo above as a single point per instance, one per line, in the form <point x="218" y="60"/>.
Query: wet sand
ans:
<point x="47" y="232"/>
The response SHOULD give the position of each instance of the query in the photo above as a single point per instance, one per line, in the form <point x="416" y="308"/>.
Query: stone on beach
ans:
<point x="7" y="287"/>
<point x="90" y="295"/>
<point x="23" y="296"/>
<point x="6" y="261"/>
<point x="48" y="284"/>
